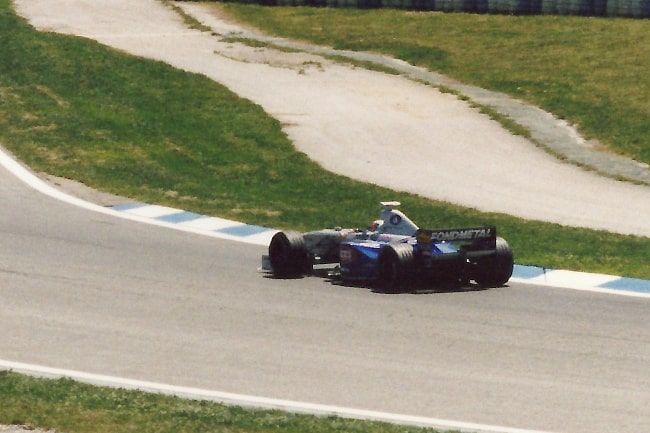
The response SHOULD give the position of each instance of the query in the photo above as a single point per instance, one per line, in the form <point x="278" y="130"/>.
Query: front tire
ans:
<point x="395" y="267"/>
<point x="288" y="255"/>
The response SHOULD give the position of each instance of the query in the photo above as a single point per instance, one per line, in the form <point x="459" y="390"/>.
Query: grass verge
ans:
<point x="141" y="129"/>
<point x="72" y="407"/>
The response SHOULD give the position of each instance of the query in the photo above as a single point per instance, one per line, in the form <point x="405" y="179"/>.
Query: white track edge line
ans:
<point x="252" y="401"/>
<point x="23" y="174"/>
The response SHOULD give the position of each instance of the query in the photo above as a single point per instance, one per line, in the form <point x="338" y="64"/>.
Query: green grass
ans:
<point x="144" y="130"/>
<point x="72" y="407"/>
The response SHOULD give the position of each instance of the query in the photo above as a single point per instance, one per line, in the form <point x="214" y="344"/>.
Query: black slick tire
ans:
<point x="496" y="270"/>
<point x="395" y="267"/>
<point x="288" y="255"/>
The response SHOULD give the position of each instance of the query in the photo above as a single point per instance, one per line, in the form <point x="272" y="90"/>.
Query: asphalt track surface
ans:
<point x="90" y="292"/>
<point x="85" y="291"/>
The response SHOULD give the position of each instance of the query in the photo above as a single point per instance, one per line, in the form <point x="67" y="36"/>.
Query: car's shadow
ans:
<point x="414" y="288"/>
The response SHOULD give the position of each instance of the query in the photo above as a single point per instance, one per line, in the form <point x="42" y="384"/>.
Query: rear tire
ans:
<point x="395" y="267"/>
<point x="288" y="255"/>
<point x="496" y="270"/>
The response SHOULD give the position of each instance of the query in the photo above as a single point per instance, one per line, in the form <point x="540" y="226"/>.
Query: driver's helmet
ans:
<point x="376" y="225"/>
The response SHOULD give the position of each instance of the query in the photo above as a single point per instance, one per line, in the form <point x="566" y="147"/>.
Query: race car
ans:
<point x="395" y="254"/>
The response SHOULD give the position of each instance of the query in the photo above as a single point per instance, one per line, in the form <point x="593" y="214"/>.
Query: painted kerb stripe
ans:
<point x="262" y="236"/>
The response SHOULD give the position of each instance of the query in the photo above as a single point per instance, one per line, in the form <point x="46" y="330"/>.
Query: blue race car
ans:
<point x="395" y="254"/>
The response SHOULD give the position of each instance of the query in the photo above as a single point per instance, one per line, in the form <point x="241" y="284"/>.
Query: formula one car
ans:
<point x="395" y="254"/>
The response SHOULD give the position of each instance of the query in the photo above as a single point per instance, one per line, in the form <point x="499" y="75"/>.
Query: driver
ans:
<point x="375" y="226"/>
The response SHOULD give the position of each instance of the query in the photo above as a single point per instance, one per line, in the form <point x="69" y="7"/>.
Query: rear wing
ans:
<point x="482" y="238"/>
